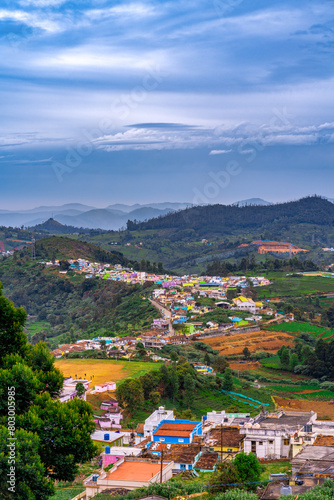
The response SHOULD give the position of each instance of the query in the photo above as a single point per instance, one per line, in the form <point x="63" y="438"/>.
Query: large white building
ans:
<point x="155" y="418"/>
<point x="270" y="436"/>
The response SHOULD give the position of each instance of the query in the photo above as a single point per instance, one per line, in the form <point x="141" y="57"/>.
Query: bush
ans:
<point x="236" y="495"/>
<point x="328" y="386"/>
<point x="314" y="381"/>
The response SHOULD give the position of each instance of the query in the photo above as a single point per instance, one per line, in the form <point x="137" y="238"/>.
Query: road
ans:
<point x="165" y="314"/>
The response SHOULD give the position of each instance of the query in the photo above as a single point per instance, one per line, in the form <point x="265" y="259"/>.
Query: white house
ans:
<point x="69" y="389"/>
<point x="152" y="422"/>
<point x="107" y="386"/>
<point x="270" y="436"/>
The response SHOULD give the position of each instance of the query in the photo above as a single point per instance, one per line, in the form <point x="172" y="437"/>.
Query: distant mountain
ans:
<point x="217" y="220"/>
<point x="159" y="206"/>
<point x="252" y="201"/>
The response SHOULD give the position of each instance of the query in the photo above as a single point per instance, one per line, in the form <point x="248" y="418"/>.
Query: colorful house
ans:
<point x="177" y="431"/>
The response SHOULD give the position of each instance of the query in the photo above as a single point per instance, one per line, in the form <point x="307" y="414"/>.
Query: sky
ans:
<point x="202" y="101"/>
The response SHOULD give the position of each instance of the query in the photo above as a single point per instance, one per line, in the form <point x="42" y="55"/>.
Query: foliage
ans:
<point x="226" y="473"/>
<point x="248" y="467"/>
<point x="228" y="380"/>
<point x="236" y="494"/>
<point x="51" y="437"/>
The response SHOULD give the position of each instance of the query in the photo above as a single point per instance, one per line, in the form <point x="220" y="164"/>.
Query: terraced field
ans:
<point x="297" y="327"/>
<point x="262" y="340"/>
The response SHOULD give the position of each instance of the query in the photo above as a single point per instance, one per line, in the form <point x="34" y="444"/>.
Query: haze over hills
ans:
<point x="113" y="217"/>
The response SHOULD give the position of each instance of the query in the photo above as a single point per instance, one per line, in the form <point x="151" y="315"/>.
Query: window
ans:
<point x="162" y="439"/>
<point x="260" y="443"/>
<point x="286" y="442"/>
<point x="180" y="440"/>
<point x="190" y="467"/>
<point x="229" y="450"/>
<point x="182" y="466"/>
<point x="271" y="442"/>
<point x="253" y="446"/>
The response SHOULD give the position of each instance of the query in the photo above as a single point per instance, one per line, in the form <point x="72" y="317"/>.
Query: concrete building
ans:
<point x="177" y="431"/>
<point x="156" y="418"/>
<point x="129" y="473"/>
<point x="270" y="436"/>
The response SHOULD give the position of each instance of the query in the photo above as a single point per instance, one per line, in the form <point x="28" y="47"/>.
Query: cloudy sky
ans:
<point x="204" y="101"/>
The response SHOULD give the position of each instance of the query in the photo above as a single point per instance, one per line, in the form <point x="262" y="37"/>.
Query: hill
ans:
<point x="212" y="220"/>
<point x="64" y="248"/>
<point x="185" y="241"/>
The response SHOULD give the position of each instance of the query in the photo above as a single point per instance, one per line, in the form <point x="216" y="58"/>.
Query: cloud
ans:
<point x="220" y="151"/>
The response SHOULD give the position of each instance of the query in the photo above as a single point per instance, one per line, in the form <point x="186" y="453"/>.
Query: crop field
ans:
<point x="294" y="388"/>
<point x="255" y="341"/>
<point x="324" y="409"/>
<point x="103" y="370"/>
<point x="297" y="327"/>
<point x="286" y="286"/>
<point x="244" y="366"/>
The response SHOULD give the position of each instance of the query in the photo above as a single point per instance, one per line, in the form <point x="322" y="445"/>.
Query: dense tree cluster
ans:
<point x="51" y="438"/>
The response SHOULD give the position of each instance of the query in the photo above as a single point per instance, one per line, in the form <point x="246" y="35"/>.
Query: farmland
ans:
<point x="103" y="370"/>
<point x="255" y="341"/>
<point x="324" y="409"/>
<point x="298" y="327"/>
<point x="288" y="286"/>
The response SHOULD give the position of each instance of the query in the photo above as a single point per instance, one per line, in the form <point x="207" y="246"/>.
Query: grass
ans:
<point x="293" y="388"/>
<point x="275" y="468"/>
<point x="273" y="362"/>
<point x="297" y="327"/>
<point x="103" y="370"/>
<point x="64" y="493"/>
<point x="286" y="286"/>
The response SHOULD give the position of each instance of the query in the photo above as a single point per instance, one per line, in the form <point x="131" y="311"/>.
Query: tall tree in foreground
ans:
<point x="52" y="438"/>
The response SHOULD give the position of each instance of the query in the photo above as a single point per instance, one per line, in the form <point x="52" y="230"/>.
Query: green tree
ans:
<point x="228" y="380"/>
<point x="154" y="397"/>
<point x="220" y="364"/>
<point x="130" y="394"/>
<point x="294" y="361"/>
<point x="12" y="321"/>
<point x="189" y="388"/>
<point x="80" y="388"/>
<point x="246" y="353"/>
<point x="226" y="473"/>
<point x="30" y="482"/>
<point x="248" y="467"/>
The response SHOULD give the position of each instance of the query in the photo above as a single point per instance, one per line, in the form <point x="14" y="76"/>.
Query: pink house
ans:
<point x="107" y="386"/>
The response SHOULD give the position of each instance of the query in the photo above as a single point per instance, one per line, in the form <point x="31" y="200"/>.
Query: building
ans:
<point x="112" y="454"/>
<point x="244" y="304"/>
<point x="227" y="441"/>
<point x="107" y="386"/>
<point x="111" y="438"/>
<point x="314" y="460"/>
<point x="69" y="389"/>
<point x="270" y="436"/>
<point x="277" y="247"/>
<point x="155" y="419"/>
<point x="177" y="431"/>
<point x="129" y="473"/>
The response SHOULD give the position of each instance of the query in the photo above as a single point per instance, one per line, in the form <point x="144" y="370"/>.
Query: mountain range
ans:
<point x="112" y="217"/>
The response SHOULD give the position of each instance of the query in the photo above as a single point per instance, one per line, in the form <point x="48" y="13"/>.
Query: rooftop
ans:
<point x="134" y="471"/>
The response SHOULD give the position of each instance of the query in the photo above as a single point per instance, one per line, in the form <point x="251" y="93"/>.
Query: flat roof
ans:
<point x="134" y="471"/>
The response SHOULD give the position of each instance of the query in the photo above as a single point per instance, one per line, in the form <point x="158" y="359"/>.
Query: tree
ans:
<point x="226" y="473"/>
<point x="12" y="320"/>
<point x="220" y="364"/>
<point x="154" y="397"/>
<point x="174" y="356"/>
<point x="207" y="359"/>
<point x="294" y="361"/>
<point x="228" y="380"/>
<point x="130" y="394"/>
<point x="103" y="344"/>
<point x="26" y="471"/>
<point x="80" y="388"/>
<point x="54" y="436"/>
<point x="246" y="353"/>
<point x="248" y="467"/>
<point x="189" y="388"/>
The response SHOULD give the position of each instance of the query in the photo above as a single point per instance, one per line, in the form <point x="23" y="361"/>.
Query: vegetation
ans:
<point x="51" y="438"/>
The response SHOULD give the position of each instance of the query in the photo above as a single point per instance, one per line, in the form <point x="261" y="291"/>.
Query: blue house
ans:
<point x="177" y="431"/>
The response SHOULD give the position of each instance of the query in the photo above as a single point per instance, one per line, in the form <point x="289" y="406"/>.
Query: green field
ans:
<point x="293" y="388"/>
<point x="287" y="286"/>
<point x="298" y="327"/>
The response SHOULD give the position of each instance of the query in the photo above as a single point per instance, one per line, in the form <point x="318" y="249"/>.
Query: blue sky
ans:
<point x="202" y="101"/>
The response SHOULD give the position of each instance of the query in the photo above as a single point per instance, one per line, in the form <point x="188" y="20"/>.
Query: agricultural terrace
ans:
<point x="324" y="409"/>
<point x="297" y="327"/>
<point x="289" y="286"/>
<point x="103" y="370"/>
<point x="233" y="345"/>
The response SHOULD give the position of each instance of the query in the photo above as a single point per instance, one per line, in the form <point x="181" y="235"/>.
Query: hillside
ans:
<point x="64" y="248"/>
<point x="64" y="308"/>
<point x="187" y="240"/>
<point x="217" y="219"/>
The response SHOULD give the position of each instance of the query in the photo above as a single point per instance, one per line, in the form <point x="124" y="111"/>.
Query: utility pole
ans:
<point x="161" y="465"/>
<point x="221" y="441"/>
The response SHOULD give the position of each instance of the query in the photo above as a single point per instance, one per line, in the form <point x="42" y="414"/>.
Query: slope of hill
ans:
<point x="64" y="248"/>
<point x="65" y="308"/>
<point x="187" y="240"/>
<point x="216" y="219"/>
